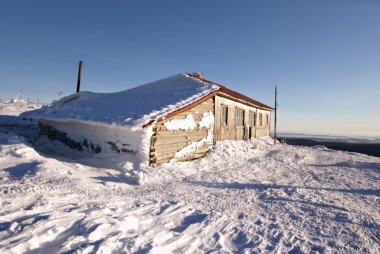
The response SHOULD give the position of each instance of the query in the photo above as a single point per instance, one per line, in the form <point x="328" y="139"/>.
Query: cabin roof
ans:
<point x="136" y="107"/>
<point x="232" y="93"/>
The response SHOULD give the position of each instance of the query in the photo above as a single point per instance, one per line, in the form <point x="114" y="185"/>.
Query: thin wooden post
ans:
<point x="275" y="115"/>
<point x="79" y="76"/>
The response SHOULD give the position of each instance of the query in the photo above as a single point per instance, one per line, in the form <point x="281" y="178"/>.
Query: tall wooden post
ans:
<point x="79" y="76"/>
<point x="275" y="115"/>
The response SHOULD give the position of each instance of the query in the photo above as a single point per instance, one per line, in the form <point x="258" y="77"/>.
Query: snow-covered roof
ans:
<point x="133" y="107"/>
<point x="137" y="106"/>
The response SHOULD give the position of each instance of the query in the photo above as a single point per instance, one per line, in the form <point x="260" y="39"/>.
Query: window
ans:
<point x="261" y="119"/>
<point x="267" y="120"/>
<point x="224" y="115"/>
<point x="252" y="118"/>
<point x="239" y="117"/>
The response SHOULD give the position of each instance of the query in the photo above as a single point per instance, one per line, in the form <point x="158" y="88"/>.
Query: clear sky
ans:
<point x="323" y="55"/>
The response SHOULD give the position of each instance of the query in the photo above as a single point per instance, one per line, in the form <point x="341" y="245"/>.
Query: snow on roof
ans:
<point x="133" y="107"/>
<point x="136" y="107"/>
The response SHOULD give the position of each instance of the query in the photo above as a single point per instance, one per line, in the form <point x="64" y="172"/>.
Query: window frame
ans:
<point x="224" y="117"/>
<point x="240" y="118"/>
<point x="261" y="119"/>
<point x="252" y="118"/>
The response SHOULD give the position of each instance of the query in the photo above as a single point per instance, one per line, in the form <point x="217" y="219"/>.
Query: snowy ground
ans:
<point x="242" y="197"/>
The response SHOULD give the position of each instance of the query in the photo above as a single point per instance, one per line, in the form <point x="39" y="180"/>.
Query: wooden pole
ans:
<point x="79" y="76"/>
<point x="275" y="115"/>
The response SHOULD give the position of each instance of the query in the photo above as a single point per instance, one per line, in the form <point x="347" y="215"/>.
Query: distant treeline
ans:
<point x="369" y="149"/>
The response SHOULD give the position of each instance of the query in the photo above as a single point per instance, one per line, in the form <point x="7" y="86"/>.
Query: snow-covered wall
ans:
<point x="132" y="144"/>
<point x="185" y="136"/>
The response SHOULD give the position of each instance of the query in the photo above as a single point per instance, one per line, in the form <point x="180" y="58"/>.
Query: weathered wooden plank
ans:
<point x="206" y="107"/>
<point x="156" y="161"/>
<point x="175" y="145"/>
<point x="162" y="150"/>
<point x="164" y="153"/>
<point x="179" y="140"/>
<point x="202" y="131"/>
<point x="172" y="152"/>
<point x="206" y="102"/>
<point x="169" y="141"/>
<point x="173" y="140"/>
<point x="161" y="157"/>
<point x="170" y="147"/>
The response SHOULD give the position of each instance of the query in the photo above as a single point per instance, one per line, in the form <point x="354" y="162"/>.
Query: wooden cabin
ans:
<point x="236" y="117"/>
<point x="181" y="118"/>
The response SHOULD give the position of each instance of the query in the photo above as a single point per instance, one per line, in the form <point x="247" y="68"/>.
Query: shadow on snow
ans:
<point x="20" y="170"/>
<point x="261" y="186"/>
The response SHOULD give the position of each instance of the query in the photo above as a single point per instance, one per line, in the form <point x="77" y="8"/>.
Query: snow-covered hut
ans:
<point x="176" y="118"/>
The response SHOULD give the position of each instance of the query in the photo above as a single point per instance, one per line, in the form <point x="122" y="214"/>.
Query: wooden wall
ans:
<point x="165" y="144"/>
<point x="233" y="132"/>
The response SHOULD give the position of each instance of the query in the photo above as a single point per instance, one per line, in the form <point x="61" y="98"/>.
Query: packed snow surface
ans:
<point x="133" y="107"/>
<point x="242" y="197"/>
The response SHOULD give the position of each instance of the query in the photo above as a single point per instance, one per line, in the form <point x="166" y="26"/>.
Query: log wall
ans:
<point x="165" y="143"/>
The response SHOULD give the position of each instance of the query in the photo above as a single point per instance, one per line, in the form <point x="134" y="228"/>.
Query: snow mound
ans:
<point x="133" y="107"/>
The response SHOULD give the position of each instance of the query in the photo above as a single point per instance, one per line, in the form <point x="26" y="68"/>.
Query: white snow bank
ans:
<point x="133" y="107"/>
<point x="131" y="145"/>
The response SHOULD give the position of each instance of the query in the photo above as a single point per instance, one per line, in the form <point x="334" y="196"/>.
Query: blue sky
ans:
<point x="323" y="55"/>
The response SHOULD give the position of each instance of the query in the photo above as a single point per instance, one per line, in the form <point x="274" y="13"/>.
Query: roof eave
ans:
<point x="234" y="93"/>
<point x="244" y="101"/>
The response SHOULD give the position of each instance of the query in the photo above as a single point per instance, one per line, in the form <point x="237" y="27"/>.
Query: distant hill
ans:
<point x="369" y="147"/>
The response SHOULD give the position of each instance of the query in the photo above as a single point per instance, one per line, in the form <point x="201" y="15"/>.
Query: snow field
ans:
<point x="242" y="197"/>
